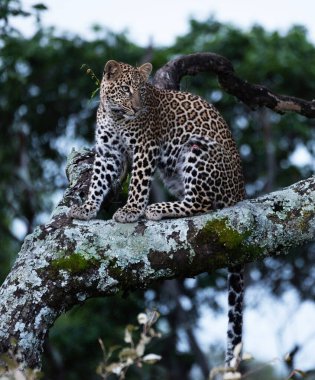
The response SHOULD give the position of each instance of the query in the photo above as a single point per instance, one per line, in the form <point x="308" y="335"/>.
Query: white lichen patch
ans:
<point x="81" y="297"/>
<point x="43" y="317"/>
<point x="33" y="278"/>
<point x="59" y="210"/>
<point x="28" y="340"/>
<point x="156" y="236"/>
<point x="19" y="326"/>
<point x="85" y="242"/>
<point x="167" y="241"/>
<point x="106" y="283"/>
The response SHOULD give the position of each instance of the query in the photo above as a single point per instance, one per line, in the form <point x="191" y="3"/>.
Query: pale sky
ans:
<point x="163" y="20"/>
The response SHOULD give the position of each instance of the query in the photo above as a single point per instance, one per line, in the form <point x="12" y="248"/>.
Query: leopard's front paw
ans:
<point x="153" y="212"/>
<point x="127" y="214"/>
<point x="84" y="212"/>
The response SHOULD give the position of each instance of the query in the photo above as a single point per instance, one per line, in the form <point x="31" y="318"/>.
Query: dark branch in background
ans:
<point x="254" y="95"/>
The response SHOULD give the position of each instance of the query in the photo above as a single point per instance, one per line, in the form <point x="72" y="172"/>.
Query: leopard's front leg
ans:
<point x="107" y="169"/>
<point x="144" y="165"/>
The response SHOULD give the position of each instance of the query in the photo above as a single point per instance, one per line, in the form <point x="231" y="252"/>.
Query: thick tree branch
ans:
<point x="65" y="262"/>
<point x="253" y="95"/>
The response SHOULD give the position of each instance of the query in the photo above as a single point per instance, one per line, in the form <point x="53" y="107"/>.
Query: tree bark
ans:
<point x="253" y="95"/>
<point x="64" y="262"/>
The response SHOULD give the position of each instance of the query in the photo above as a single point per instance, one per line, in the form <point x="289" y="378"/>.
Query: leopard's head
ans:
<point x="123" y="88"/>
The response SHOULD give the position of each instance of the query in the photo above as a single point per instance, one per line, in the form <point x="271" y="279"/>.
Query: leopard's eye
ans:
<point x="125" y="89"/>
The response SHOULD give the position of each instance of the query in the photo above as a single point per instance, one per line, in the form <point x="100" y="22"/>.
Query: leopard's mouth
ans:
<point x="126" y="113"/>
<point x="123" y="111"/>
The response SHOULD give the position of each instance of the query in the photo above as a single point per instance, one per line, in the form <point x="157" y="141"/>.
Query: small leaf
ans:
<point x="140" y="348"/>
<point x="142" y="318"/>
<point x="128" y="354"/>
<point x="237" y="350"/>
<point x="151" y="358"/>
<point x="40" y="7"/>
<point x="115" y="368"/>
<point x="247" y="356"/>
<point x="128" y="333"/>
<point x="91" y="74"/>
<point x="102" y="347"/>
<point x="94" y="93"/>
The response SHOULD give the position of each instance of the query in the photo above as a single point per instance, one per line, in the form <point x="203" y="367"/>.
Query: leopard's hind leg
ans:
<point x="203" y="171"/>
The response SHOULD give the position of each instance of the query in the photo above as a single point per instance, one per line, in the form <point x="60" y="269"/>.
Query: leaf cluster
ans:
<point x="134" y="353"/>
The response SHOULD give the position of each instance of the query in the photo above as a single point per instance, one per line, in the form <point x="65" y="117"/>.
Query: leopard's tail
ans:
<point x="235" y="313"/>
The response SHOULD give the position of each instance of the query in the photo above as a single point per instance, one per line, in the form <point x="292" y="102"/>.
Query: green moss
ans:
<point x="227" y="236"/>
<point x="73" y="262"/>
<point x="234" y="241"/>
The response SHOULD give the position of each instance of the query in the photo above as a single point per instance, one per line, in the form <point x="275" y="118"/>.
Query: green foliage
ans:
<point x="97" y="82"/>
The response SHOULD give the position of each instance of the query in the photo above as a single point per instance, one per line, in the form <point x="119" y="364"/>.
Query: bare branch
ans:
<point x="253" y="95"/>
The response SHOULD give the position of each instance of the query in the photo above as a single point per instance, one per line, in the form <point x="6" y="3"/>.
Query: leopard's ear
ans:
<point x="111" y="70"/>
<point x="145" y="70"/>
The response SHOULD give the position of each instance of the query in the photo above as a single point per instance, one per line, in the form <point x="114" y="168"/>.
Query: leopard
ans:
<point x="176" y="134"/>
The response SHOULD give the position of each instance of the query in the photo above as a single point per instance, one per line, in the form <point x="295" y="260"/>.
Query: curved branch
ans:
<point x="253" y="95"/>
<point x="65" y="262"/>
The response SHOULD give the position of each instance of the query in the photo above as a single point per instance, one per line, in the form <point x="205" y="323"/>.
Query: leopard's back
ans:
<point x="182" y="118"/>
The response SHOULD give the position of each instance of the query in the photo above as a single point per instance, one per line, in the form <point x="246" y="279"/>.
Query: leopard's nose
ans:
<point x="136" y="108"/>
<point x="136" y="103"/>
<point x="130" y="112"/>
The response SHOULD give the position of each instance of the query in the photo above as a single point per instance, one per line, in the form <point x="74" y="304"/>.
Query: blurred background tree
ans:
<point x="45" y="110"/>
